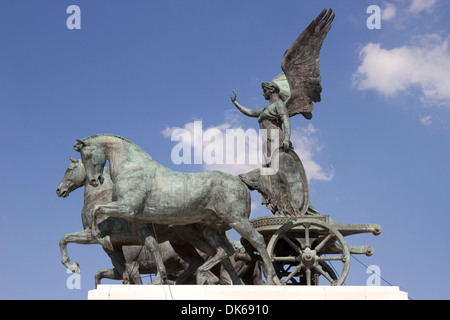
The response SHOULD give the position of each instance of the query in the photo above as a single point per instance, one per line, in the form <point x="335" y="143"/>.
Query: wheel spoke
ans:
<point x="323" y="242"/>
<point x="293" y="273"/>
<point x="284" y="259"/>
<point x="292" y="243"/>
<point x="332" y="258"/>
<point x="307" y="244"/>
<point x="323" y="273"/>
<point x="308" y="276"/>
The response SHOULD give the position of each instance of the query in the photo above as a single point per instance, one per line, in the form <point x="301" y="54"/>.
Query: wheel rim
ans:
<point x="308" y="240"/>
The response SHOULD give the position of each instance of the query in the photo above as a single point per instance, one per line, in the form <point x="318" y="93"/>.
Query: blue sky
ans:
<point x="376" y="151"/>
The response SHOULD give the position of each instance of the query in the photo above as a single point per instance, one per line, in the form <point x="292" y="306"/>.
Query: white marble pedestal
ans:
<point x="192" y="292"/>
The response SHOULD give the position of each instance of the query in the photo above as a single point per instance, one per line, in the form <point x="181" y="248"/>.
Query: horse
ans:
<point x="177" y="252"/>
<point x="128" y="260"/>
<point x="139" y="261"/>
<point x="148" y="192"/>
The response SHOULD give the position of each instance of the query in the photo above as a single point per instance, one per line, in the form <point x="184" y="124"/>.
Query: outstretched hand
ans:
<point x="233" y="97"/>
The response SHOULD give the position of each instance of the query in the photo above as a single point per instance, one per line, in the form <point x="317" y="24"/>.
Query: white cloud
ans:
<point x="307" y="145"/>
<point x="425" y="65"/>
<point x="418" y="6"/>
<point x="305" y="140"/>
<point x="388" y="12"/>
<point x="426" y="120"/>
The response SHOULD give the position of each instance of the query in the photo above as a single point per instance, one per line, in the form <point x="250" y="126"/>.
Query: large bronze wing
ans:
<point x="301" y="65"/>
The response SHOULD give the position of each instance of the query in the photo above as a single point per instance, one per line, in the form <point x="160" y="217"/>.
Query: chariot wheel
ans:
<point x="301" y="250"/>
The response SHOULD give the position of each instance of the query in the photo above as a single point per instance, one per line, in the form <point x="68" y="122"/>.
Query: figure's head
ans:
<point x="74" y="178"/>
<point x="94" y="160"/>
<point x="269" y="88"/>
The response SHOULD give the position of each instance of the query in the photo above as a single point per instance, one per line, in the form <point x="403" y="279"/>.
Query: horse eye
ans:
<point x="88" y="156"/>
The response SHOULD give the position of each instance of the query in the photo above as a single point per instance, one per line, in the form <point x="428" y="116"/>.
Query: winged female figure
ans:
<point x="290" y="93"/>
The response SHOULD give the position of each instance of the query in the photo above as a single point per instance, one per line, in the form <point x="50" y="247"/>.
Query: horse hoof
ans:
<point x="74" y="267"/>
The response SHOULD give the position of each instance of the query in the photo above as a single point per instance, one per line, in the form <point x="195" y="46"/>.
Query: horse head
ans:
<point x="74" y="178"/>
<point x="94" y="160"/>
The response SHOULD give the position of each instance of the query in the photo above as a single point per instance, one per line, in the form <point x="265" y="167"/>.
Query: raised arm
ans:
<point x="244" y="110"/>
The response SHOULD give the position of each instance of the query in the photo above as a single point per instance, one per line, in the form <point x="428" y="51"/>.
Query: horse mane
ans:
<point x="114" y="136"/>
<point x="109" y="135"/>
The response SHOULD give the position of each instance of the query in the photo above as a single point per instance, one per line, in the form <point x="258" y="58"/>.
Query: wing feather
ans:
<point x="300" y="64"/>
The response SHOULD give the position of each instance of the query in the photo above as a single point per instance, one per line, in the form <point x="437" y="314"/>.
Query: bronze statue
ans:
<point x="146" y="192"/>
<point x="285" y="191"/>
<point x="149" y="203"/>
<point x="127" y="253"/>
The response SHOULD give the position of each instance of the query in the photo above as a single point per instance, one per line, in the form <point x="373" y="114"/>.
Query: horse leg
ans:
<point x="106" y="274"/>
<point x="112" y="209"/>
<point x="132" y="268"/>
<point x="80" y="237"/>
<point x="129" y="211"/>
<point x="118" y="261"/>
<point x="245" y="229"/>
<point x="223" y="251"/>
<point x="189" y="254"/>
<point x="192" y="234"/>
<point x="145" y="232"/>
<point x="222" y="242"/>
<point x="85" y="237"/>
<point x="204" y="275"/>
<point x="235" y="213"/>
<point x="227" y="264"/>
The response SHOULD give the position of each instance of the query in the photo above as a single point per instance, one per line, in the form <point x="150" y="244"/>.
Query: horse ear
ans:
<point x="73" y="160"/>
<point x="79" y="145"/>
